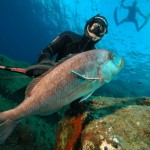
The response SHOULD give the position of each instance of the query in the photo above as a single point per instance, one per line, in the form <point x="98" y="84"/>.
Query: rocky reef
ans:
<point x="99" y="123"/>
<point x="107" y="123"/>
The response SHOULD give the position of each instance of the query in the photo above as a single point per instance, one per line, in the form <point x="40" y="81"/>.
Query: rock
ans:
<point x="107" y="124"/>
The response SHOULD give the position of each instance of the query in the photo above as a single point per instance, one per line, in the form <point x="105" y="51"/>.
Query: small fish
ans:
<point x="77" y="77"/>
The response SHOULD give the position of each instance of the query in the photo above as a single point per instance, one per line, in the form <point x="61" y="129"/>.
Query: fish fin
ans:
<point x="33" y="83"/>
<point x="78" y="74"/>
<point x="36" y="80"/>
<point x="83" y="76"/>
<point x="31" y="86"/>
<point x="6" y="126"/>
<point x="85" y="72"/>
<point x="86" y="96"/>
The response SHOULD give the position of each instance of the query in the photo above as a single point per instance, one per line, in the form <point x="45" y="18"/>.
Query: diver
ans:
<point x="69" y="43"/>
<point x="131" y="17"/>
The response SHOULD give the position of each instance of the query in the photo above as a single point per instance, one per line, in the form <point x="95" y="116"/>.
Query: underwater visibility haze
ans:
<point x="28" y="26"/>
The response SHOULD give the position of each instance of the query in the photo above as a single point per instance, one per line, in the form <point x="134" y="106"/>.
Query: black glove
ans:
<point x="42" y="67"/>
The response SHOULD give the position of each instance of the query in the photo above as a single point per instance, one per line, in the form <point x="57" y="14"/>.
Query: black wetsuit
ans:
<point x="65" y="44"/>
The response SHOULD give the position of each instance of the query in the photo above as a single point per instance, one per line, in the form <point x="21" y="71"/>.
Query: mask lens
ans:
<point x="102" y="29"/>
<point x="99" y="30"/>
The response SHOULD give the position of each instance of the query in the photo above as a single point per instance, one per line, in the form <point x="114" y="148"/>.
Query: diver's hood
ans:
<point x="98" y="31"/>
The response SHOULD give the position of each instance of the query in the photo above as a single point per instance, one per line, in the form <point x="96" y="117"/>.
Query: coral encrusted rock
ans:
<point x="107" y="124"/>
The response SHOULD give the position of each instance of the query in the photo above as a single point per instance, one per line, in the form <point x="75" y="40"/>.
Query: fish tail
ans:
<point x="6" y="126"/>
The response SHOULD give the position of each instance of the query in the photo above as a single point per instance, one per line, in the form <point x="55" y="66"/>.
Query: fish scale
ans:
<point x="47" y="94"/>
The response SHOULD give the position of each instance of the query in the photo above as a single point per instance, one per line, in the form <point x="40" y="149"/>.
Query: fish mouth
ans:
<point x="118" y="61"/>
<point x="122" y="63"/>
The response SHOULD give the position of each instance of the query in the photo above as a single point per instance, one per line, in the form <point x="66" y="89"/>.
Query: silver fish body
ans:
<point x="77" y="77"/>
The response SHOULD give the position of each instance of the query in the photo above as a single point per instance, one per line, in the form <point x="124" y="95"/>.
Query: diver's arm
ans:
<point x="54" y="47"/>
<point x="141" y="13"/>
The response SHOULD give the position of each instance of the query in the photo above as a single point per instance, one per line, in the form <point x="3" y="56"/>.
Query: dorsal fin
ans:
<point x="33" y="83"/>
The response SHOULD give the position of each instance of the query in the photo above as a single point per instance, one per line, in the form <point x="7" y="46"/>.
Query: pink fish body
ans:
<point x="77" y="77"/>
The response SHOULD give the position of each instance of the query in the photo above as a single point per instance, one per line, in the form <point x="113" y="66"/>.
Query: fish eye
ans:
<point x="111" y="56"/>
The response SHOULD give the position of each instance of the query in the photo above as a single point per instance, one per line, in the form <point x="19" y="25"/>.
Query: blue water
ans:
<point x="27" y="26"/>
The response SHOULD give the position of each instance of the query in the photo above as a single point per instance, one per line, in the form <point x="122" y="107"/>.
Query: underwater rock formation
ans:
<point x="107" y="124"/>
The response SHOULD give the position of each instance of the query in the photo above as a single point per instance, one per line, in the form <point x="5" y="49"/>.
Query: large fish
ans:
<point x="77" y="77"/>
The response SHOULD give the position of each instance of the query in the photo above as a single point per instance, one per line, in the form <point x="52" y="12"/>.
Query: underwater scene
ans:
<point x="74" y="75"/>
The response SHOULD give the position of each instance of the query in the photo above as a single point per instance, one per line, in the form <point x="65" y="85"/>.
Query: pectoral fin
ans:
<point x="83" y="76"/>
<point x="78" y="74"/>
<point x="86" y="96"/>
